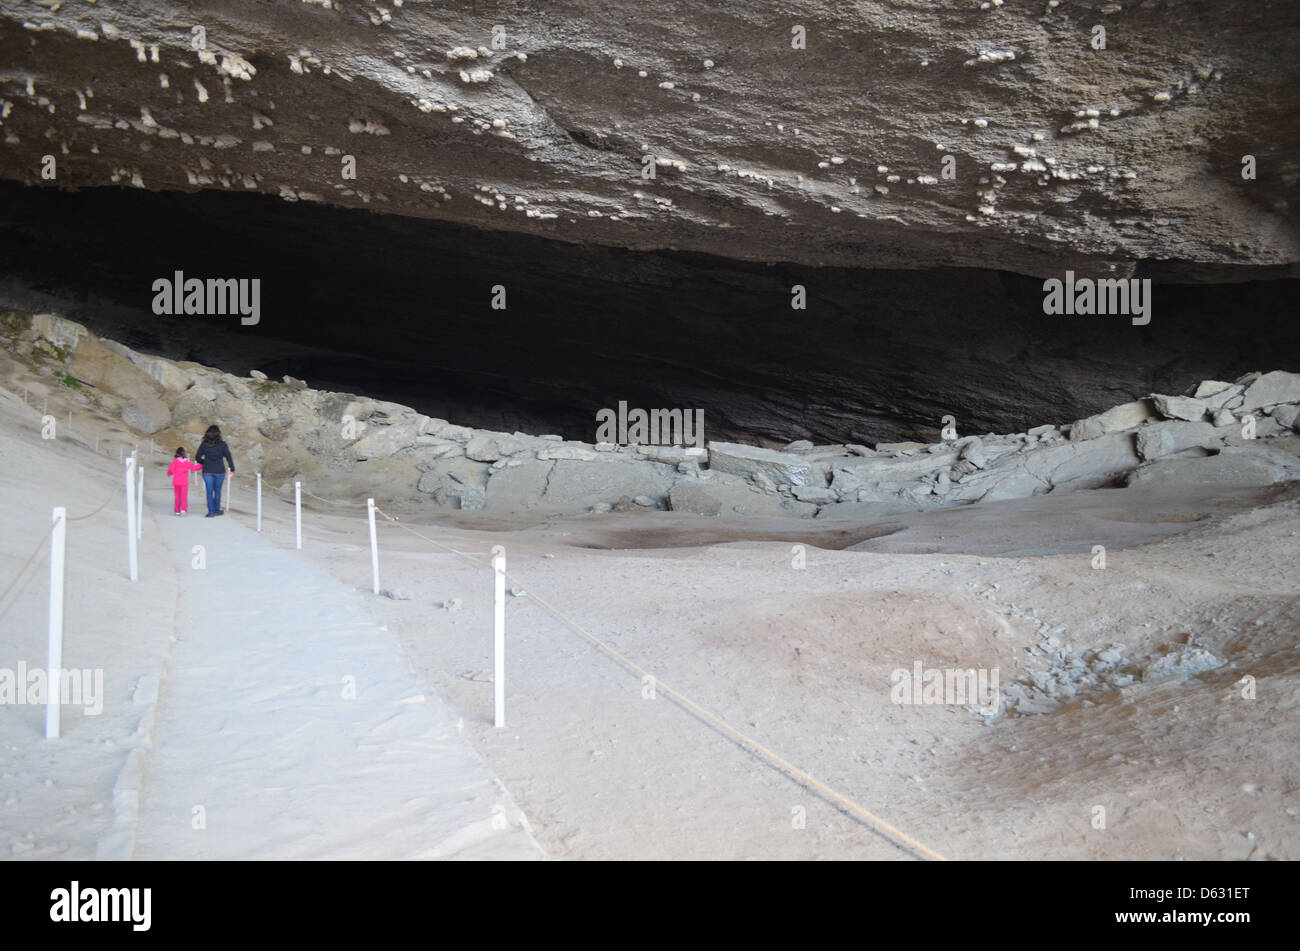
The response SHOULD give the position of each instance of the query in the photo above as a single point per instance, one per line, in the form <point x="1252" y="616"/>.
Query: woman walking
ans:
<point x="214" y="454"/>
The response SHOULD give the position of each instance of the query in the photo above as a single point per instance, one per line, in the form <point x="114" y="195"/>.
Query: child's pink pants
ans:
<point x="182" y="492"/>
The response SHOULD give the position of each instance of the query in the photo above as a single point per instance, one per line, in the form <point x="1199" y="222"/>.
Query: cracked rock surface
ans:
<point x="901" y="135"/>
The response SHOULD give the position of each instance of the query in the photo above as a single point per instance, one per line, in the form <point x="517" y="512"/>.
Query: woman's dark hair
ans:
<point x="212" y="436"/>
<point x="180" y="451"/>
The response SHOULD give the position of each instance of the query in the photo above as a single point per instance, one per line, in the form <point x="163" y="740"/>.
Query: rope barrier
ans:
<point x="30" y="558"/>
<point x="897" y="835"/>
<point x="332" y="502"/>
<point x="78" y="518"/>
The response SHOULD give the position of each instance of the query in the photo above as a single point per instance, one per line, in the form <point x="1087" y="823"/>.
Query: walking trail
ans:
<point x="290" y="725"/>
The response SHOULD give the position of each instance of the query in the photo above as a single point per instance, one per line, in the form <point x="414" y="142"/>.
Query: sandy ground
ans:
<point x="798" y="659"/>
<point x="58" y="799"/>
<point x="252" y="706"/>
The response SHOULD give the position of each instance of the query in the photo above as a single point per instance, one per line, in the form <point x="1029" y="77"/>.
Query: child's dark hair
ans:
<point x="179" y="452"/>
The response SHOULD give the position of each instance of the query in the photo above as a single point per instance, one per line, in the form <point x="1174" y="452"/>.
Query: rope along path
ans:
<point x="41" y="544"/>
<point x="891" y="832"/>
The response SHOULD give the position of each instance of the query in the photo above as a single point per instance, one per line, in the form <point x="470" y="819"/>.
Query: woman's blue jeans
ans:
<point x="212" y="484"/>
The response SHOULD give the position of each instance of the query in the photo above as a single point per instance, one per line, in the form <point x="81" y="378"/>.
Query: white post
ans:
<point x="132" y="563"/>
<point x="54" y="659"/>
<point x="499" y="638"/>
<point x="374" y="547"/>
<point x="228" y="486"/>
<point x="297" y="512"/>
<point x="139" y="499"/>
<point x="259" y="501"/>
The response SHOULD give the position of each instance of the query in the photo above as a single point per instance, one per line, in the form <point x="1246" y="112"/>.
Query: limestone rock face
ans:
<point x="880" y="135"/>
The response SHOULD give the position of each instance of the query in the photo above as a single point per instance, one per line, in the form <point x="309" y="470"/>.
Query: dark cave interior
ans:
<point x="401" y="309"/>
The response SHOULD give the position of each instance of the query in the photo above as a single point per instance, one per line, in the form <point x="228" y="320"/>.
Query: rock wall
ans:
<point x="802" y="131"/>
<point x="345" y="446"/>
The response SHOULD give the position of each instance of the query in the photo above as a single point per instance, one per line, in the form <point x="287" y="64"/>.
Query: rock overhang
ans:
<point x="896" y="136"/>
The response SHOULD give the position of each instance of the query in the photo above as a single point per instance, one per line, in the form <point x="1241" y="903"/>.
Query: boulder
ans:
<point x="1208" y="388"/>
<point x="1239" y="466"/>
<point x="453" y="481"/>
<point x="898" y="469"/>
<point x="148" y="414"/>
<point x="64" y="334"/>
<point x="275" y="429"/>
<point x="1059" y="466"/>
<point x="193" y="409"/>
<point x="445" y="430"/>
<point x="672" y="455"/>
<point x="571" y="453"/>
<point x="1180" y="407"/>
<point x="519" y="488"/>
<point x="103" y="367"/>
<point x="972" y="451"/>
<point x="1160" y="439"/>
<point x="469" y="498"/>
<point x="815" y="494"/>
<point x="1114" y="420"/>
<point x="1216" y="394"/>
<point x="489" y="447"/>
<point x="1271" y="389"/>
<point x="781" y="467"/>
<point x="1287" y="416"/>
<point x="171" y="376"/>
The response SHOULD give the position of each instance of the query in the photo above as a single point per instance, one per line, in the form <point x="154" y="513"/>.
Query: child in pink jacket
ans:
<point x="180" y="470"/>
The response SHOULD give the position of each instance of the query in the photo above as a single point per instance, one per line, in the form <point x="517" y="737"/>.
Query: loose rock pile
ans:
<point x="1066" y="676"/>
